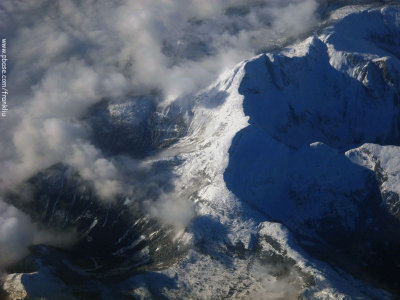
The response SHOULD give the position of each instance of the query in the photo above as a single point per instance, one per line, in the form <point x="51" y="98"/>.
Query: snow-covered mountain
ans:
<point x="290" y="163"/>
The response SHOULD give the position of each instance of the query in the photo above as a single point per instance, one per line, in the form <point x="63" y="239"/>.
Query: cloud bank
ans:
<point x="17" y="234"/>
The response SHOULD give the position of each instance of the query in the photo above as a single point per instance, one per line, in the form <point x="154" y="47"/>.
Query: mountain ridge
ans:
<point x="274" y="193"/>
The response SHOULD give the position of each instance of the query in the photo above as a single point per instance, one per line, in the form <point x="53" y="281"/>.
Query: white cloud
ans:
<point x="17" y="233"/>
<point x="171" y="209"/>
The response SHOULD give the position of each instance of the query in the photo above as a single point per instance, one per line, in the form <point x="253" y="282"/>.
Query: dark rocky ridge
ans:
<point x="135" y="126"/>
<point x="115" y="241"/>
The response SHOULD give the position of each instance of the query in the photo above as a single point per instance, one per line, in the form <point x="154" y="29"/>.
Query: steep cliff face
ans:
<point x="280" y="208"/>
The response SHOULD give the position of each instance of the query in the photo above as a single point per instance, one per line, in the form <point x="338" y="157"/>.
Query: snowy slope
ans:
<point x="384" y="161"/>
<point x="270" y="116"/>
<point x="254" y="157"/>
